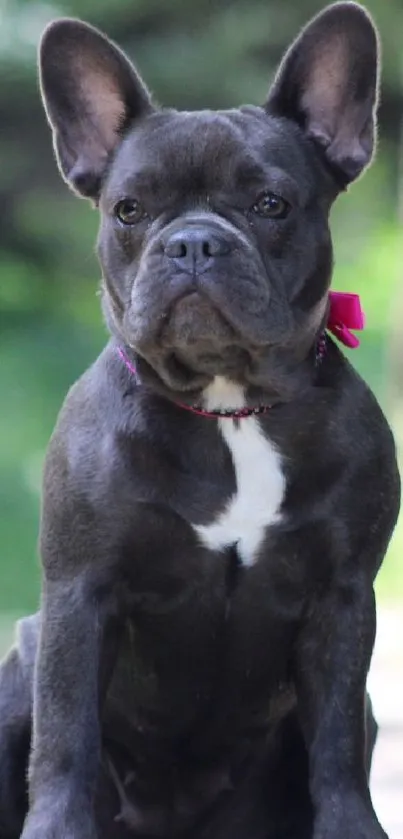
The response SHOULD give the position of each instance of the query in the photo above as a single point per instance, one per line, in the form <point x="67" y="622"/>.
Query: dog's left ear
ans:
<point x="328" y="83"/>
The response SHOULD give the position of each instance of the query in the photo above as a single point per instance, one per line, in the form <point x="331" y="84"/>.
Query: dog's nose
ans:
<point x="194" y="249"/>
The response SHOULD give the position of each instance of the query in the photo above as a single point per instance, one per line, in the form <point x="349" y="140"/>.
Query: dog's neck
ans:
<point x="223" y="398"/>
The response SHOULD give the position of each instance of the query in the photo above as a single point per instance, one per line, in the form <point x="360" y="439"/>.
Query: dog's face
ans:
<point x="214" y="238"/>
<point x="209" y="250"/>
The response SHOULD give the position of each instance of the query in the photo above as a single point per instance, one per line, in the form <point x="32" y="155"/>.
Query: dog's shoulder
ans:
<point x="354" y="412"/>
<point x="101" y="408"/>
<point x="358" y="436"/>
<point x="336" y="434"/>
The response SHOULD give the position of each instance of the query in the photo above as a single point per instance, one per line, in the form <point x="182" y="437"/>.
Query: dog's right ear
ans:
<point x="91" y="93"/>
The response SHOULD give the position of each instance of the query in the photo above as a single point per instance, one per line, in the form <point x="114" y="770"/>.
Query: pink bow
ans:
<point x="345" y="313"/>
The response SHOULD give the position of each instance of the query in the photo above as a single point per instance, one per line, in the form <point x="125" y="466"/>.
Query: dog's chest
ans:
<point x="260" y="487"/>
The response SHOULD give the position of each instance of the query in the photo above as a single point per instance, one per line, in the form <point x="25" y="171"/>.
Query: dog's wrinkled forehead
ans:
<point x="198" y="154"/>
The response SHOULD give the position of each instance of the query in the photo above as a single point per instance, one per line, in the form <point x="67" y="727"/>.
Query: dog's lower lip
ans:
<point x="197" y="300"/>
<point x="232" y="324"/>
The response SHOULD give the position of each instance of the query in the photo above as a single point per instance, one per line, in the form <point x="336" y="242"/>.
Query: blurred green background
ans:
<point x="193" y="53"/>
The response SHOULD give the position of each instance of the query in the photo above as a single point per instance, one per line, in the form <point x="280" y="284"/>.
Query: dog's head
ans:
<point x="214" y="238"/>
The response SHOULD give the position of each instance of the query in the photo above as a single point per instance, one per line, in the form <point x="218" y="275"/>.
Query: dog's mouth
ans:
<point x="193" y="323"/>
<point x="196" y="338"/>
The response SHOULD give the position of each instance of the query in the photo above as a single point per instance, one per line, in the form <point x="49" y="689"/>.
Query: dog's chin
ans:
<point x="204" y="360"/>
<point x="188" y="370"/>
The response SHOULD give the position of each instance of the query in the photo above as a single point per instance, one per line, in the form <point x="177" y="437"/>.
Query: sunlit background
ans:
<point x="193" y="53"/>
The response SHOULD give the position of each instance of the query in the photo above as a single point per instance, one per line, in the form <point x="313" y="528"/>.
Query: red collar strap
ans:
<point x="345" y="314"/>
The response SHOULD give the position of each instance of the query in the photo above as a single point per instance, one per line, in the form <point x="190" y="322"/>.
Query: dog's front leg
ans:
<point x="333" y="659"/>
<point x="66" y="738"/>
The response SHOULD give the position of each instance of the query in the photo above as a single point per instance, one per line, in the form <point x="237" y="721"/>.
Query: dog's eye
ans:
<point x="271" y="205"/>
<point x="129" y="211"/>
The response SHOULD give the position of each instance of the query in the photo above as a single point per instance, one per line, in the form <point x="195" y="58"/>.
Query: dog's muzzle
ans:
<point x="202" y="290"/>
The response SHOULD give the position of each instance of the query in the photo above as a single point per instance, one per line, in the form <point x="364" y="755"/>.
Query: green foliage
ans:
<point x="203" y="53"/>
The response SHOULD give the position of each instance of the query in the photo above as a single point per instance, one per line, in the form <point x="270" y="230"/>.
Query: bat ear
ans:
<point x="328" y="84"/>
<point x="91" y="93"/>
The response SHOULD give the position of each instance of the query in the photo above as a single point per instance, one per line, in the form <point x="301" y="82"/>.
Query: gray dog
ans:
<point x="221" y="486"/>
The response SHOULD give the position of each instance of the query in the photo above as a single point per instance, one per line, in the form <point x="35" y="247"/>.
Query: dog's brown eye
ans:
<point x="271" y="205"/>
<point x="129" y="211"/>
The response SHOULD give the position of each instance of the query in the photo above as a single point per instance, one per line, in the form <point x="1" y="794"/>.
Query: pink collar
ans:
<point x="345" y="314"/>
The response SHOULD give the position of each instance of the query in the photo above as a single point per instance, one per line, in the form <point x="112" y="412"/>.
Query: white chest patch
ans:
<point x="260" y="482"/>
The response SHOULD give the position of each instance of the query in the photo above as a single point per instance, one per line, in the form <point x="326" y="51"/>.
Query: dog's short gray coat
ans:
<point x="207" y="617"/>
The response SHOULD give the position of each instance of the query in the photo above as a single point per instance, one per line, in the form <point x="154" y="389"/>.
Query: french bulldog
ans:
<point x="221" y="486"/>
